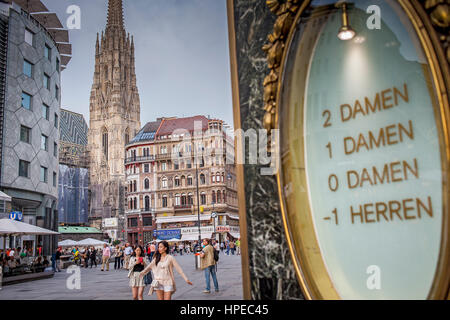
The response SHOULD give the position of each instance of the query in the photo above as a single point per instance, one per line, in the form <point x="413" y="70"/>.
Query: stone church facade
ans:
<point x="114" y="115"/>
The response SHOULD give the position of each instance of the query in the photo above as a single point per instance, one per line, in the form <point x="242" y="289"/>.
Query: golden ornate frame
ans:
<point x="431" y="21"/>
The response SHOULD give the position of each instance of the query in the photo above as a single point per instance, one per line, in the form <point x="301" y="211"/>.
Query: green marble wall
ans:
<point x="271" y="270"/>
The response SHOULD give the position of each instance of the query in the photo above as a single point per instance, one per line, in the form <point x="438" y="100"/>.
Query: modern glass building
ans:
<point x="35" y="49"/>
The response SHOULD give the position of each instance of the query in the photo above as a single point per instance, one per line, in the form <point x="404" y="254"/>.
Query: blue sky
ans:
<point x="182" y="56"/>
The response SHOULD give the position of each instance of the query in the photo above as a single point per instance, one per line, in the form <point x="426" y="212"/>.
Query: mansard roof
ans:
<point x="168" y="126"/>
<point x="147" y="133"/>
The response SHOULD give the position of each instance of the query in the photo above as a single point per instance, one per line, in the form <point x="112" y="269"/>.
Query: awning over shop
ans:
<point x="4" y="197"/>
<point x="235" y="235"/>
<point x="194" y="236"/>
<point x="173" y="219"/>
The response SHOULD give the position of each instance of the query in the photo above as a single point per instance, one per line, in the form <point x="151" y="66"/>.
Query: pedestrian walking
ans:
<point x="137" y="264"/>
<point x="128" y="251"/>
<point x="106" y="254"/>
<point x="122" y="257"/>
<point x="238" y="246"/>
<point x="222" y="246"/>
<point x="208" y="263"/>
<point x="93" y="257"/>
<point x="86" y="257"/>
<point x="117" y="258"/>
<point x="55" y="262"/>
<point x="152" y="250"/>
<point x="163" y="278"/>
<point x="58" y="254"/>
<point x="181" y="247"/>
<point x="228" y="248"/>
<point x="76" y="256"/>
<point x="232" y="247"/>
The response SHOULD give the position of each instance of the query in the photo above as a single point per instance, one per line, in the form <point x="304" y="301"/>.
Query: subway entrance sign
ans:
<point x="364" y="138"/>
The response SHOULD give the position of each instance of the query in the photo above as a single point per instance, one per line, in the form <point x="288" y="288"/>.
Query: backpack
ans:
<point x="216" y="255"/>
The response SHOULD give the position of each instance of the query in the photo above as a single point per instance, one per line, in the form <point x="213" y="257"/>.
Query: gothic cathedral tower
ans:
<point x="114" y="115"/>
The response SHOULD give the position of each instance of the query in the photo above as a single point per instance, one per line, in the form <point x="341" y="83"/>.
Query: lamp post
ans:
<point x="197" y="257"/>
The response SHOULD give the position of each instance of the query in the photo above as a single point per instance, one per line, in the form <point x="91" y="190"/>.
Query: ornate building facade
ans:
<point x="114" y="115"/>
<point x="164" y="162"/>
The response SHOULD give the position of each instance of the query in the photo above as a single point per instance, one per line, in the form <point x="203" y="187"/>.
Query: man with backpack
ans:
<point x="208" y="263"/>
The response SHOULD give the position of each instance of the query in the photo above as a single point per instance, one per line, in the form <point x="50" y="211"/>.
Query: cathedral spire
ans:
<point x="115" y="14"/>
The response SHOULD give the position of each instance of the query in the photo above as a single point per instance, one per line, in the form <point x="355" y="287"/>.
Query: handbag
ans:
<point x="148" y="279"/>
<point x="153" y="286"/>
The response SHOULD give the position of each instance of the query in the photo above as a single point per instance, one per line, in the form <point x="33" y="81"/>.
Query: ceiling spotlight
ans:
<point x="345" y="32"/>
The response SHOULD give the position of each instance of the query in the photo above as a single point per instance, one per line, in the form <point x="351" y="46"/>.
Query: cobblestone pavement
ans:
<point x="113" y="284"/>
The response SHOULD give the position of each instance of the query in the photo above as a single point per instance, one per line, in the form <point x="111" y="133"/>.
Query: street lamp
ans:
<point x="214" y="215"/>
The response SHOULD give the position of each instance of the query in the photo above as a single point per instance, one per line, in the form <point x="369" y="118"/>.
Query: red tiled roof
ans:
<point x="168" y="126"/>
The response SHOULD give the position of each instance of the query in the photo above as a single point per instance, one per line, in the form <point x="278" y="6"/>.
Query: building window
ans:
<point x="26" y="101"/>
<point x="55" y="150"/>
<point x="46" y="81"/>
<point x="164" y="183"/>
<point x="56" y="121"/>
<point x="135" y="203"/>
<point x="43" y="175"/>
<point x="190" y="200"/>
<point x="177" y="200"/>
<point x="135" y="186"/>
<point x="147" y="221"/>
<point x="147" y="203"/>
<point x="213" y="178"/>
<point x="224" y="197"/>
<point x="183" y="200"/>
<point x="213" y="197"/>
<point x="189" y="181"/>
<point x="164" y="201"/>
<point x="146" y="168"/>
<point x="163" y="166"/>
<point x="219" y="198"/>
<point x="177" y="181"/>
<point x="57" y="65"/>
<point x="48" y="53"/>
<point x="105" y="144"/>
<point x="56" y="92"/>
<point x="203" y="198"/>
<point x="25" y="134"/>
<point x="127" y="137"/>
<point x="27" y="68"/>
<point x="54" y="179"/>
<point x="202" y="179"/>
<point x="146" y="184"/>
<point x="24" y="167"/>
<point x="132" y="223"/>
<point x="29" y="37"/>
<point x="45" y="111"/>
<point x="44" y="142"/>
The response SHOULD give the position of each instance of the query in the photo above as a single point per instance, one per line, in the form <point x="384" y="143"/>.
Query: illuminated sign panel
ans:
<point x="363" y="155"/>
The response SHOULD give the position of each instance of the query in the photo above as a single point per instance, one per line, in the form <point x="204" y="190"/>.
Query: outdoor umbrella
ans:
<point x="90" y="242"/>
<point x="174" y="240"/>
<point x="9" y="227"/>
<point x="67" y="243"/>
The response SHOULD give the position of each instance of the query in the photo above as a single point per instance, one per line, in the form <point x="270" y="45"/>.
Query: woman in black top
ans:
<point x="136" y="266"/>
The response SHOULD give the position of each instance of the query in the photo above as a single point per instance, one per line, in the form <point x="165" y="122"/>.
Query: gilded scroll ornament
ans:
<point x="286" y="11"/>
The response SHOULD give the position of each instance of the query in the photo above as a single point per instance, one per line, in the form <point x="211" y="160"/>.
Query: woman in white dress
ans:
<point x="163" y="278"/>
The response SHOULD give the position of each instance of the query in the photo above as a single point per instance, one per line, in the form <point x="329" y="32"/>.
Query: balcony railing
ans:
<point x="139" y="159"/>
<point x="183" y="207"/>
<point x="163" y="156"/>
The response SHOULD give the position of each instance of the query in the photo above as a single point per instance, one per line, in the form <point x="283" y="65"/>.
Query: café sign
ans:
<point x="364" y="139"/>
